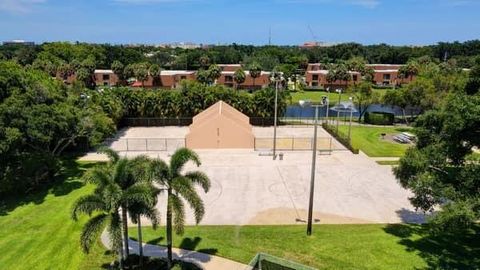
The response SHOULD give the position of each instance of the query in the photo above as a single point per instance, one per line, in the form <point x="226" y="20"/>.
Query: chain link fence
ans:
<point x="145" y="144"/>
<point x="293" y="144"/>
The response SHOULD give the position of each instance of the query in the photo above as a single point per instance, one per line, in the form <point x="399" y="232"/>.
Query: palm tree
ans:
<point x="140" y="171"/>
<point x="214" y="72"/>
<point x="118" y="69"/>
<point x="180" y="187"/>
<point x="119" y="184"/>
<point x="255" y="71"/>
<point x="109" y="196"/>
<point x="239" y="77"/>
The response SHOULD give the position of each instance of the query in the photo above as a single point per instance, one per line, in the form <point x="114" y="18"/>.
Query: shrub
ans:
<point x="379" y="118"/>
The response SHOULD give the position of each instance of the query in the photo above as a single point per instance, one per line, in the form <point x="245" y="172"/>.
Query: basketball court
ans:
<point x="249" y="187"/>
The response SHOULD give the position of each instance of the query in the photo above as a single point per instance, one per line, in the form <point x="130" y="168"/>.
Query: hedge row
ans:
<point x="340" y="137"/>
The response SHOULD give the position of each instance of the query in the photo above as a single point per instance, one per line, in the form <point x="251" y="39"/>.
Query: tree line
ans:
<point x="42" y="119"/>
<point x="267" y="56"/>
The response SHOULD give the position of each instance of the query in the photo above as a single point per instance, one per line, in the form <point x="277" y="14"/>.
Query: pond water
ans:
<point x="297" y="111"/>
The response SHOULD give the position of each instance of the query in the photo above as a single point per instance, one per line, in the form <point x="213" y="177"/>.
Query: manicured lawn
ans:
<point x="368" y="139"/>
<point x="331" y="246"/>
<point x="316" y="96"/>
<point x="36" y="232"/>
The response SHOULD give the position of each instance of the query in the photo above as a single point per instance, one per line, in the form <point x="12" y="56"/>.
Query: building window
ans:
<point x="315" y="77"/>
<point x="228" y="79"/>
<point x="355" y="77"/>
<point x="106" y="77"/>
<point x="183" y="77"/>
<point x="386" y="77"/>
<point x="314" y="84"/>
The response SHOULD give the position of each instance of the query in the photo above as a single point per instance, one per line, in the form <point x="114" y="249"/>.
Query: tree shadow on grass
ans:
<point x="192" y="244"/>
<point x="66" y="181"/>
<point x="440" y="251"/>
<point x="156" y="241"/>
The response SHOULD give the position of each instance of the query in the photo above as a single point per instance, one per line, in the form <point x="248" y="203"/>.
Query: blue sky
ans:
<point x="414" y="22"/>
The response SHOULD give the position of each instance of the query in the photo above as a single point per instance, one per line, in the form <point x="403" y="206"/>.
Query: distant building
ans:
<point x="168" y="79"/>
<point x="384" y="75"/>
<point x="18" y="42"/>
<point x="183" y="45"/>
<point x="105" y="77"/>
<point x="314" y="44"/>
<point x="262" y="81"/>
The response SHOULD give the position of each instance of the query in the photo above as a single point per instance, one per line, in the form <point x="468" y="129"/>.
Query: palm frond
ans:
<point x="115" y="231"/>
<point x="121" y="172"/>
<point x="87" y="205"/>
<point x="140" y="168"/>
<point x="180" y="158"/>
<point x="91" y="230"/>
<point x="140" y="193"/>
<point x="99" y="176"/>
<point x="112" y="155"/>
<point x="199" y="178"/>
<point x="178" y="210"/>
<point x="154" y="216"/>
<point x="186" y="190"/>
<point x="159" y="171"/>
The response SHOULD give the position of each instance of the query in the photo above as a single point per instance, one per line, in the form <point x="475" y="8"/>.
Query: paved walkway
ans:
<point x="206" y="261"/>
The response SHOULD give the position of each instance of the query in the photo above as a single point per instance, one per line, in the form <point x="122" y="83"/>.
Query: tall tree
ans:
<point x="440" y="170"/>
<point x="214" y="72"/>
<point x="255" y="71"/>
<point x="409" y="70"/>
<point x="180" y="186"/>
<point x="118" y="68"/>
<point x="239" y="77"/>
<point x="141" y="72"/>
<point x="154" y="71"/>
<point x="116" y="188"/>
<point x="364" y="96"/>
<point x="204" y="61"/>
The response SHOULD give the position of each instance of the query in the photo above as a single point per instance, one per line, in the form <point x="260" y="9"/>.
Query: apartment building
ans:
<point x="105" y="77"/>
<point x="262" y="81"/>
<point x="384" y="74"/>
<point x="168" y="79"/>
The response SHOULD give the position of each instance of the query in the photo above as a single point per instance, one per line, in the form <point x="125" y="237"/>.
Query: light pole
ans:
<point x="326" y="102"/>
<point x="314" y="160"/>
<point x="339" y="91"/>
<point x="351" y="114"/>
<point x="275" y="76"/>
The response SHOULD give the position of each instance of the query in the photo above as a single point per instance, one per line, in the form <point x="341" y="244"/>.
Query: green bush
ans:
<point x="379" y="118"/>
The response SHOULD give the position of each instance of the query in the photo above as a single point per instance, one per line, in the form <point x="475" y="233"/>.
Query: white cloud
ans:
<point x="19" y="6"/>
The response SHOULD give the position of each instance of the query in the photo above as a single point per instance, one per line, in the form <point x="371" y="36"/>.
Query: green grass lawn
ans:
<point x="36" y="232"/>
<point x="316" y="96"/>
<point x="330" y="246"/>
<point x="368" y="139"/>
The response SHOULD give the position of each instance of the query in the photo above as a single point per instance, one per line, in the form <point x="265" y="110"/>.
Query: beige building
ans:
<point x="220" y="126"/>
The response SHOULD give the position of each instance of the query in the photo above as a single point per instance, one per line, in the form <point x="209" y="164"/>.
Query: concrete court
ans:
<point x="251" y="189"/>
